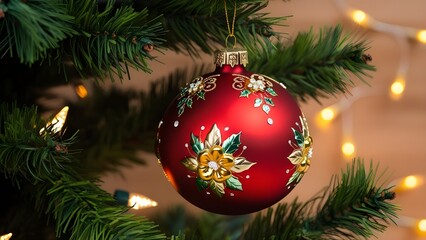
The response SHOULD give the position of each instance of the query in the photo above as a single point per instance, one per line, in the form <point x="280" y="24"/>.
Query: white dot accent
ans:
<point x="226" y="129"/>
<point x="287" y="171"/>
<point x="208" y="193"/>
<point x="159" y="140"/>
<point x="160" y="123"/>
<point x="189" y="176"/>
<point x="202" y="127"/>
<point x="270" y="121"/>
<point x="213" y="164"/>
<point x="186" y="145"/>
<point x="244" y="147"/>
<point x="288" y="187"/>
<point x="231" y="194"/>
<point x="247" y="176"/>
<point x="176" y="123"/>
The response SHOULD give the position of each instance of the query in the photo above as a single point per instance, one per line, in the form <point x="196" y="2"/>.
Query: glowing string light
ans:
<point x="421" y="36"/>
<point x="6" y="236"/>
<point x="81" y="90"/>
<point x="348" y="149"/>
<point x="328" y="114"/>
<point x="421" y="225"/>
<point x="359" y="17"/>
<point x="58" y="121"/>
<point x="133" y="200"/>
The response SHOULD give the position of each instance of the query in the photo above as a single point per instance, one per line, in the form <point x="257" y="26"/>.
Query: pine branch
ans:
<point x="33" y="27"/>
<point x="355" y="207"/>
<point x="110" y="40"/>
<point x="115" y="124"/>
<point x="315" y="66"/>
<point x="78" y="206"/>
<point x="195" y="25"/>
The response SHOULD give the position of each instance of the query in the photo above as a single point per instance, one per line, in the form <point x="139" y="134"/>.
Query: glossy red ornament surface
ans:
<point x="234" y="142"/>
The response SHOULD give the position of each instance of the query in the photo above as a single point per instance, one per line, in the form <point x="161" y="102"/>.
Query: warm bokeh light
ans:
<point x="421" y="36"/>
<point x="6" y="236"/>
<point x="410" y="182"/>
<point x="58" y="121"/>
<point x="348" y="148"/>
<point x="81" y="90"/>
<point x="137" y="201"/>
<point x="397" y="88"/>
<point x="421" y="225"/>
<point x="359" y="17"/>
<point x="327" y="114"/>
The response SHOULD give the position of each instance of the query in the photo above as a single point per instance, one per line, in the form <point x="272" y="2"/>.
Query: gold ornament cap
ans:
<point x="231" y="57"/>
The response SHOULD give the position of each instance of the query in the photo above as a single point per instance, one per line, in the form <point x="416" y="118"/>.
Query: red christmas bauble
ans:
<point x="234" y="142"/>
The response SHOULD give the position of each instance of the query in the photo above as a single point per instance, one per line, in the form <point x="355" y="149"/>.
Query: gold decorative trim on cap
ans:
<point x="231" y="57"/>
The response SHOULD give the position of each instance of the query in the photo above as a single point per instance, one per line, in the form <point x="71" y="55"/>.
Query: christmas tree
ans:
<point x="50" y="178"/>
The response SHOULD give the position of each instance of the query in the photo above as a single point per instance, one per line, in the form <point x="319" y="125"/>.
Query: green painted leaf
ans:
<point x="294" y="178"/>
<point x="180" y="111"/>
<point x="201" y="94"/>
<point x="234" y="184"/>
<point x="269" y="101"/>
<point x="266" y="108"/>
<point x="245" y="93"/>
<point x="241" y="164"/>
<point x="182" y="102"/>
<point x="183" y="91"/>
<point x="201" y="184"/>
<point x="257" y="102"/>
<point x="189" y="102"/>
<point x="271" y="91"/>
<point x="190" y="163"/>
<point x="217" y="188"/>
<point x="298" y="136"/>
<point x="196" y="144"/>
<point x="231" y="144"/>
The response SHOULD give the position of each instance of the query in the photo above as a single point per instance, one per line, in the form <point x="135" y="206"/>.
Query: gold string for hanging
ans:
<point x="231" y="27"/>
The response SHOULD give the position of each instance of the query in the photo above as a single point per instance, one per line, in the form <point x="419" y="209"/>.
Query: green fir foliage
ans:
<point x="78" y="206"/>
<point x="354" y="206"/>
<point x="103" y="39"/>
<point x="111" y="39"/>
<point x="30" y="28"/>
<point x="200" y="25"/>
<point x="313" y="65"/>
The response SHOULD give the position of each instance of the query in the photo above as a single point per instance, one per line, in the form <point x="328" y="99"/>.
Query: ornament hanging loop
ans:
<point x="233" y="37"/>
<point x="231" y="27"/>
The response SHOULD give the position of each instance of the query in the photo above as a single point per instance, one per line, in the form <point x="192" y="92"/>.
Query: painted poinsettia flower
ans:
<point x="214" y="162"/>
<point x="302" y="153"/>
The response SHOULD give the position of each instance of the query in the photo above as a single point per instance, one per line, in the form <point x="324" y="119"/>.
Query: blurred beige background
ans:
<point x="389" y="132"/>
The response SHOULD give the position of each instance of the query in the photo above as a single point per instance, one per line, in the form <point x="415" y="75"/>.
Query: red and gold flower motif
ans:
<point x="214" y="163"/>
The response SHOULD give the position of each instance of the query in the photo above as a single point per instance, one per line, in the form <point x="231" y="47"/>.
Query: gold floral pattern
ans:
<point x="214" y="162"/>
<point x="197" y="87"/>
<point x="302" y="153"/>
<point x="258" y="85"/>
